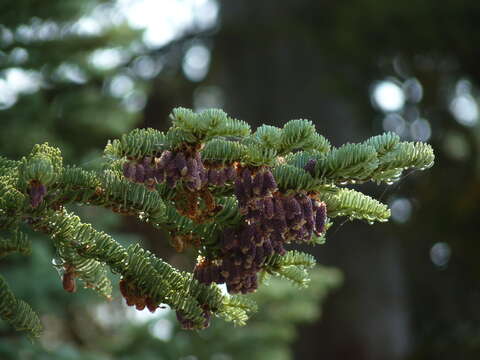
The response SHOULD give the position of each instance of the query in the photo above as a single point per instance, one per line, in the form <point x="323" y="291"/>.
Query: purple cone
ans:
<point x="247" y="181"/>
<point x="258" y="184"/>
<point x="320" y="218"/>
<point x="310" y="166"/>
<point x="37" y="192"/>
<point x="230" y="173"/>
<point x="181" y="163"/>
<point x="129" y="170"/>
<point x="140" y="173"/>
<point x="269" y="183"/>
<point x="165" y="159"/>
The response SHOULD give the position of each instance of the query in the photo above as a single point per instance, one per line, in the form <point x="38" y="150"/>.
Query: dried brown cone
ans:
<point x="68" y="280"/>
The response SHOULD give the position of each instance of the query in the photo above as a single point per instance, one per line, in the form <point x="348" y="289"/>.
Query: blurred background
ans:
<point x="77" y="73"/>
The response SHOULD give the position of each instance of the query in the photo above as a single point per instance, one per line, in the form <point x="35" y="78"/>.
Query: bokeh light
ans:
<point x="196" y="62"/>
<point x="388" y="96"/>
<point x="147" y="67"/>
<point x="421" y="130"/>
<point x="71" y="73"/>
<point x="121" y="85"/>
<point x="23" y="81"/>
<point x="164" y="20"/>
<point x="107" y="59"/>
<point x="8" y="97"/>
<point x="18" y="56"/>
<point x="413" y="90"/>
<point x="465" y="109"/>
<point x="394" y="122"/>
<point x="401" y="209"/>
<point x="440" y="254"/>
<point x="134" y="101"/>
<point x="17" y="81"/>
<point x="161" y="329"/>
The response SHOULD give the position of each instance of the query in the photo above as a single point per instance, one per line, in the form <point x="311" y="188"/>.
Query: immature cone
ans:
<point x="181" y="163"/>
<point x="297" y="217"/>
<point x="230" y="173"/>
<point x="173" y="167"/>
<point x="165" y="158"/>
<point x="149" y="172"/>
<point x="140" y="173"/>
<point x="213" y="176"/>
<point x="320" y="217"/>
<point x="129" y="170"/>
<point x="245" y="251"/>
<point x="271" y="220"/>
<point x="170" y="167"/>
<point x="37" y="192"/>
<point x="310" y="166"/>
<point x="207" y="273"/>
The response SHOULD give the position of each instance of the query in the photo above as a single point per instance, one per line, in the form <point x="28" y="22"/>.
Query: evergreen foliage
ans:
<point x="17" y="312"/>
<point x="238" y="197"/>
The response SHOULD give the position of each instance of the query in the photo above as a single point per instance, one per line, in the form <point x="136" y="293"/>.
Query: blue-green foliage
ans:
<point x="302" y="161"/>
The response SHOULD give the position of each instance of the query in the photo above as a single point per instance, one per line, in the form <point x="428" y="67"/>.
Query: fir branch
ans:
<point x="7" y="165"/>
<point x="383" y="143"/>
<point x="17" y="242"/>
<point x="296" y="134"/>
<point x="291" y="258"/>
<point x="403" y="156"/>
<point x="355" y="205"/>
<point x="347" y="164"/>
<point x="44" y="164"/>
<point x="258" y="154"/>
<point x="237" y="309"/>
<point x="217" y="123"/>
<point x="238" y="197"/>
<point x="229" y="215"/>
<point x="136" y="144"/>
<point x="291" y="266"/>
<point x="300" y="159"/>
<point x="297" y="275"/>
<point x="219" y="150"/>
<point x="268" y="136"/>
<point x="317" y="143"/>
<point x="125" y="197"/>
<point x="290" y="177"/>
<point x="66" y="230"/>
<point x="17" y="312"/>
<point x="12" y="204"/>
<point x="207" y="124"/>
<point x="154" y="277"/>
<point x="75" y="185"/>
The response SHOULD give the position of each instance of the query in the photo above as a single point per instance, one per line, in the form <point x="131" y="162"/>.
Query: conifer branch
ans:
<point x="16" y="242"/>
<point x="355" y="205"/>
<point x="291" y="266"/>
<point x="239" y="198"/>
<point x="17" y="312"/>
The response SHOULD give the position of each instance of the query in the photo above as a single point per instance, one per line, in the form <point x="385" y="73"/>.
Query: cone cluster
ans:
<point x="207" y="272"/>
<point x="134" y="297"/>
<point x="171" y="167"/>
<point x="271" y="220"/>
<point x="220" y="174"/>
